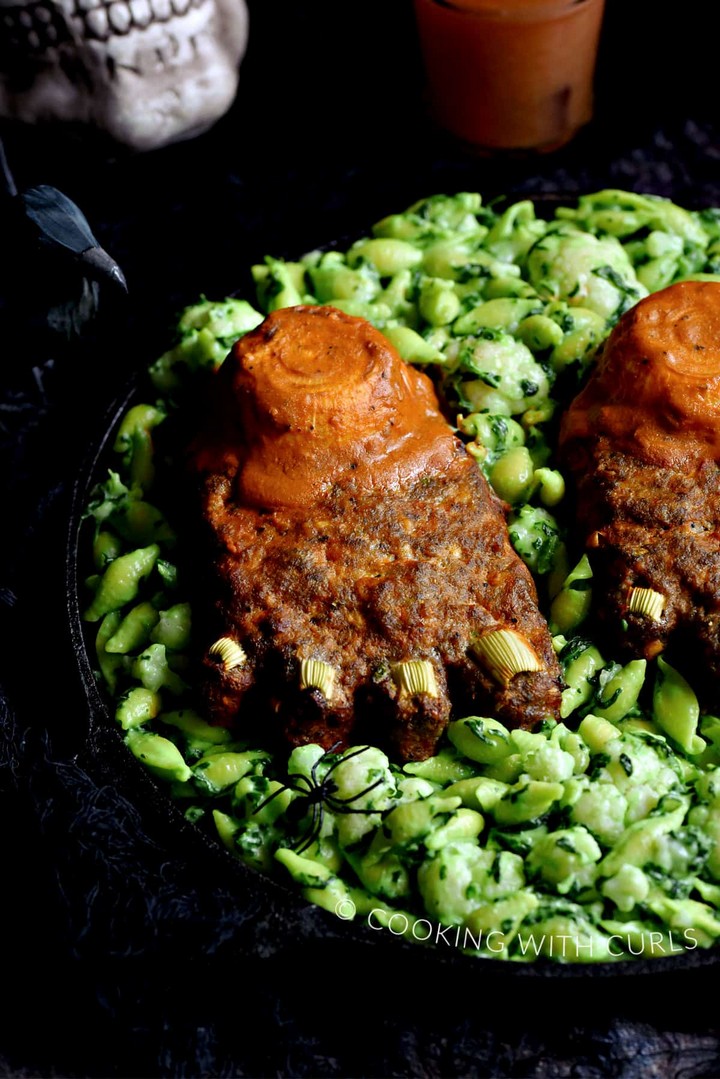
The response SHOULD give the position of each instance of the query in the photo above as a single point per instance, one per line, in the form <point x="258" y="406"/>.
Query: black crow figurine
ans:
<point x="52" y="269"/>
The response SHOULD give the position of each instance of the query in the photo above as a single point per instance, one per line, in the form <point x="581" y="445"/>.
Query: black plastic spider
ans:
<point x="317" y="795"/>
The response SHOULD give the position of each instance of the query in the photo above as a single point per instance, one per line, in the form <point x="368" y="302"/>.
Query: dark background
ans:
<point x="127" y="949"/>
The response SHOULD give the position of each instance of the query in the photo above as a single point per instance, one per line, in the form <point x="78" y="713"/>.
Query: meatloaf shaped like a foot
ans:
<point x="362" y="577"/>
<point x="642" y="441"/>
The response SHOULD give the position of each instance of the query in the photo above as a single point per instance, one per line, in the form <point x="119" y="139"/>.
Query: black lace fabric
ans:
<point x="130" y="948"/>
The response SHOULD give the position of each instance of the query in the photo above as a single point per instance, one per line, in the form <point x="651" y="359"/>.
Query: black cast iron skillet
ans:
<point x="291" y="928"/>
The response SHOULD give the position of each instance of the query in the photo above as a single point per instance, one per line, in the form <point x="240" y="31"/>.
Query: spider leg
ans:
<point x="299" y="777"/>
<point x="345" y="757"/>
<point x="362" y="793"/>
<point x="270" y="797"/>
<point x="313" y="770"/>
<point x="315" y="826"/>
<point x="341" y="805"/>
<point x="309" y="784"/>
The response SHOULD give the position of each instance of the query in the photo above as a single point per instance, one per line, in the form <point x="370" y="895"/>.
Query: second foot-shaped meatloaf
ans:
<point x="362" y="575"/>
<point x="642" y="441"/>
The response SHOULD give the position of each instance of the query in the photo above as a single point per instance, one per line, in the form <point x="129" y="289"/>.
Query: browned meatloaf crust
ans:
<point x="353" y="528"/>
<point x="642" y="442"/>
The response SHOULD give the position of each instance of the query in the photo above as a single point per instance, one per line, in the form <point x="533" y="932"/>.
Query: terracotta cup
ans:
<point x="510" y="74"/>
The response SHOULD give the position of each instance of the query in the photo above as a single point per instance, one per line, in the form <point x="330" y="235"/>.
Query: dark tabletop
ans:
<point x="124" y="953"/>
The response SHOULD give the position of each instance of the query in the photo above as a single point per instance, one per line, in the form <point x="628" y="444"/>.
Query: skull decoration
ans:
<point x="143" y="72"/>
